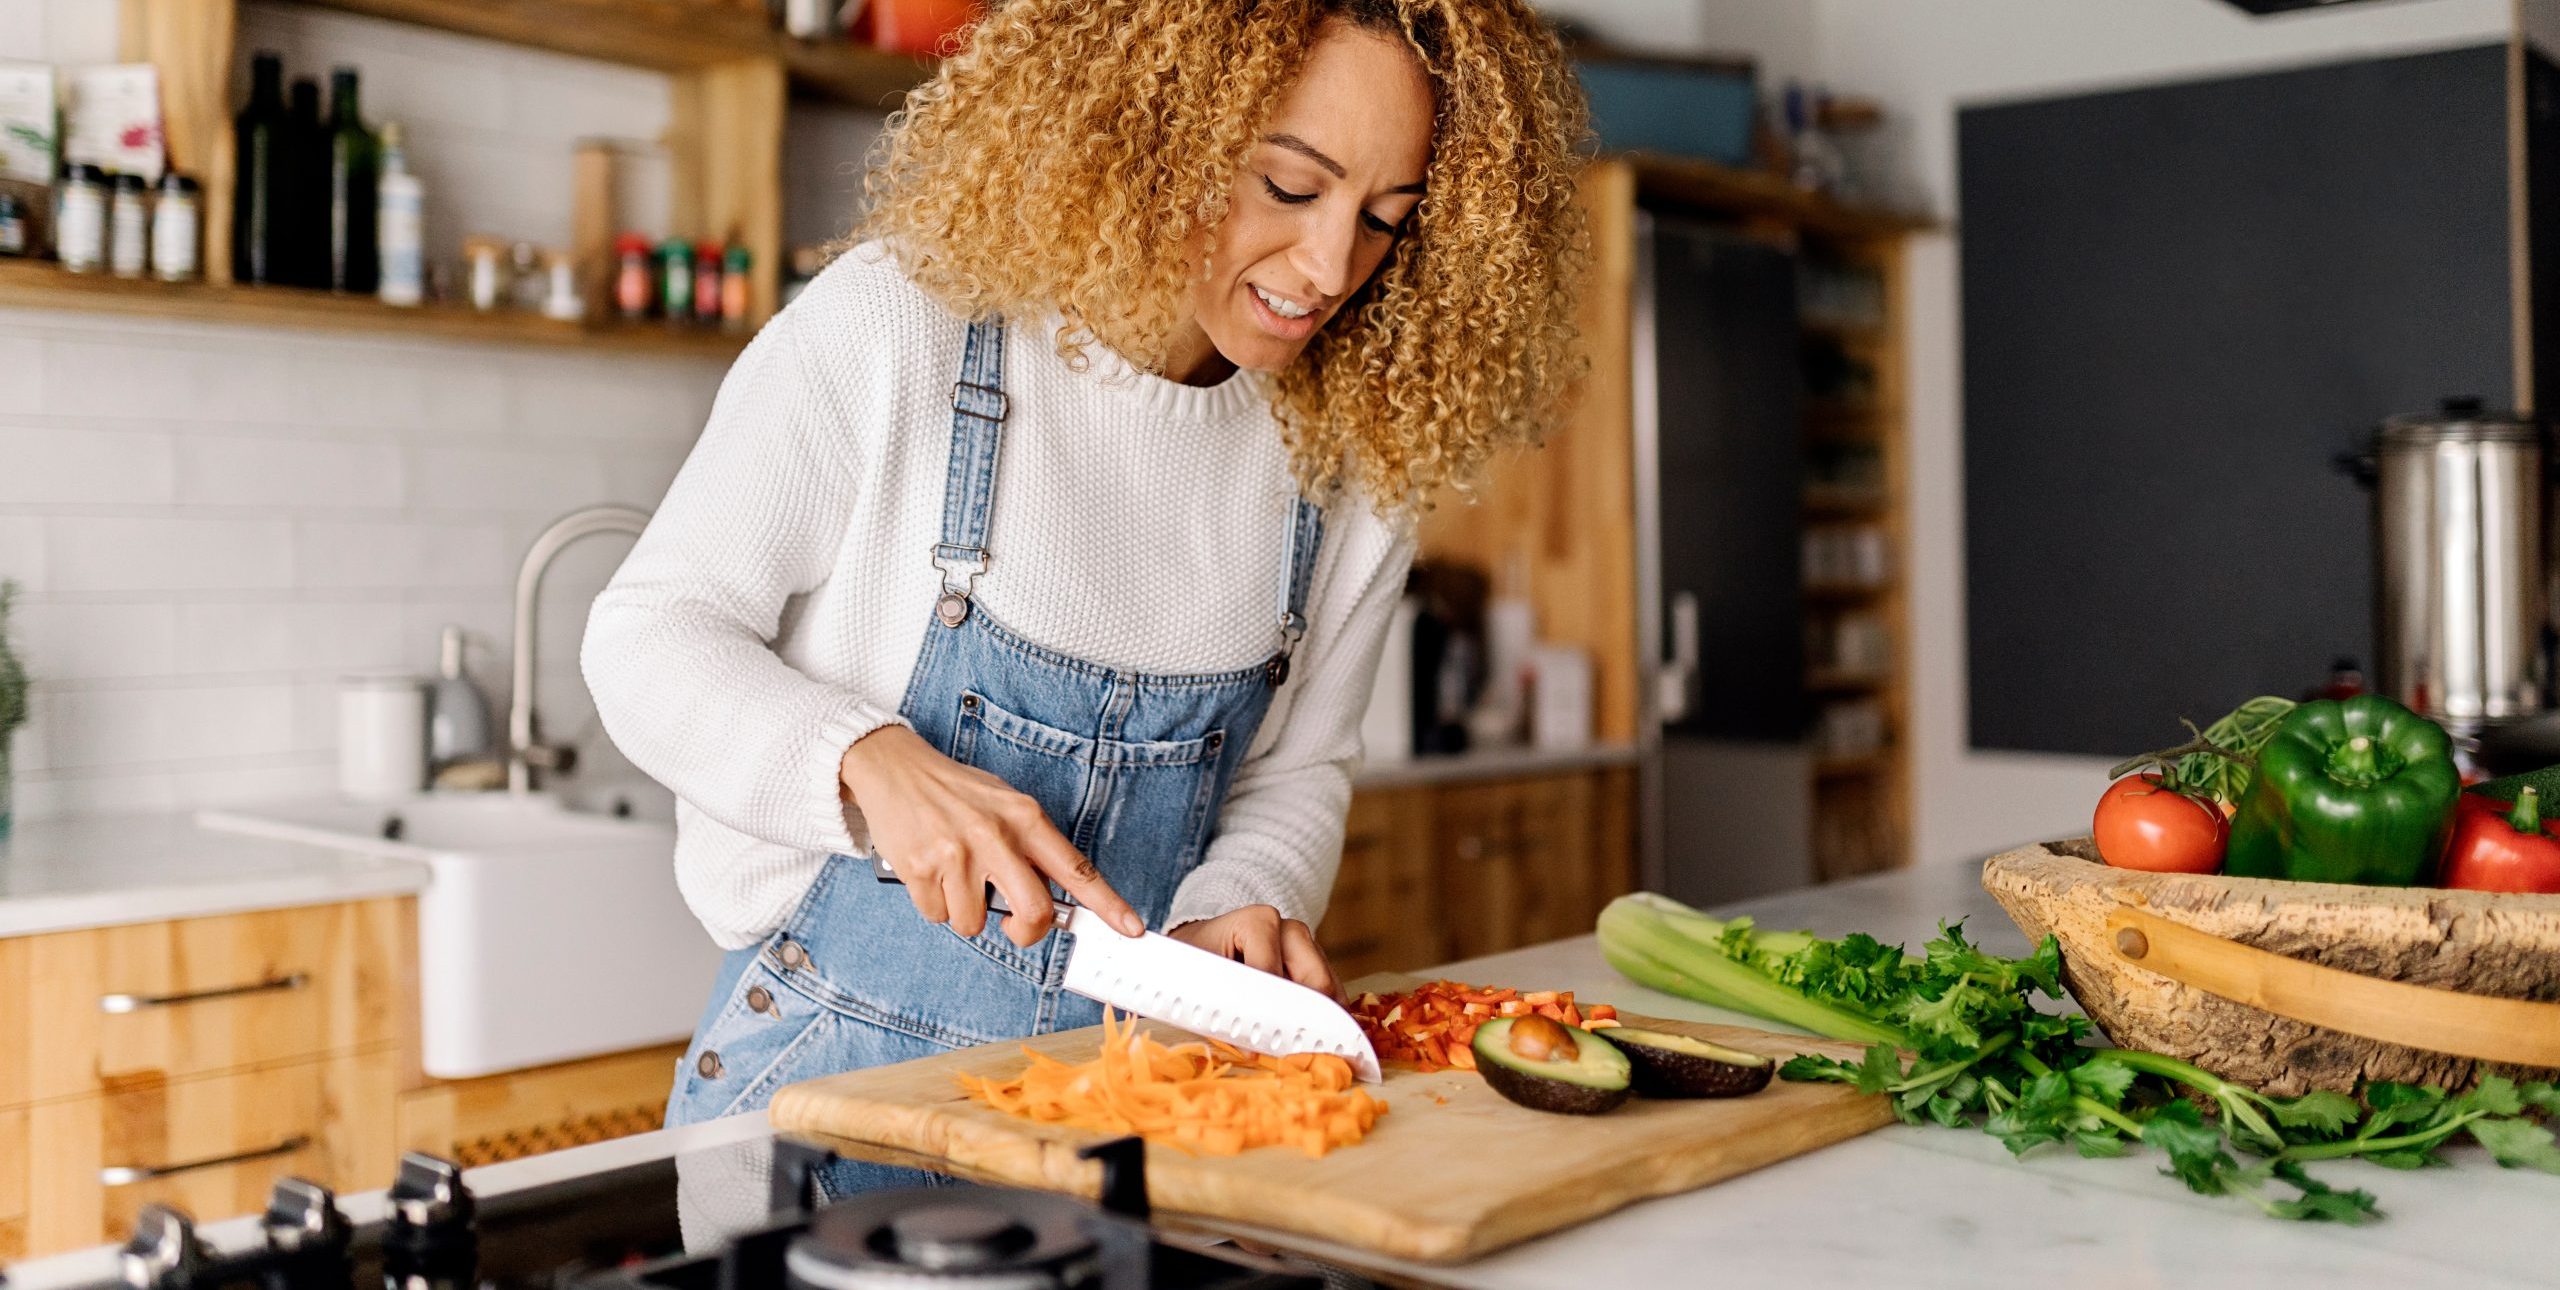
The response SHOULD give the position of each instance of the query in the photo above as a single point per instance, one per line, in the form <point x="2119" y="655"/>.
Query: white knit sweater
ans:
<point x="772" y="613"/>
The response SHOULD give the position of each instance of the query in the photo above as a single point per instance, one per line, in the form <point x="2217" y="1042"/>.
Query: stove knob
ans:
<point x="428" y="1242"/>
<point x="428" y="1200"/>
<point x="303" y="1216"/>
<point x="163" y="1252"/>
<point x="957" y="1236"/>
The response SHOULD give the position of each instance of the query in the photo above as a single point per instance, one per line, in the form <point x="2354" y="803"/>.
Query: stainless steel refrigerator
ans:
<point x="1720" y="474"/>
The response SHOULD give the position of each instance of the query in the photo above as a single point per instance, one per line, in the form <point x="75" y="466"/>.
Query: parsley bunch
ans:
<point x="1955" y="1037"/>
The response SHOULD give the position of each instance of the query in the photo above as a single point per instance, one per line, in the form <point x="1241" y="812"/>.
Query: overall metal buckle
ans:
<point x="966" y="562"/>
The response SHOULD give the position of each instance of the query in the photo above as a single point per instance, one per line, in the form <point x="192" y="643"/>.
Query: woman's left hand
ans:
<point x="1258" y="936"/>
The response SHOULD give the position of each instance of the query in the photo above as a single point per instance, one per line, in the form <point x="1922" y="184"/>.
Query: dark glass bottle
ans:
<point x="259" y="133"/>
<point x="355" y="164"/>
<point x="302" y="204"/>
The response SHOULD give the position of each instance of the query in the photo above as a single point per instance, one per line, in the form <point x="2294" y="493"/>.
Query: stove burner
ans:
<point x="980" y="1239"/>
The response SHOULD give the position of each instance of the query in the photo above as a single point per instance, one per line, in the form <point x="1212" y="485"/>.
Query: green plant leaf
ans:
<point x="2323" y="1112"/>
<point x="2518" y="1144"/>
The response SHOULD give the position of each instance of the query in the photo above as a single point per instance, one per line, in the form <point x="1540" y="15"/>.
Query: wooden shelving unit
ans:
<point x="733" y="77"/>
<point x="26" y="284"/>
<point x="1861" y="797"/>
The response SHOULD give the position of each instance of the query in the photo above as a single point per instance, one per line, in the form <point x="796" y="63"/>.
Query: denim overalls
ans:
<point x="1130" y="767"/>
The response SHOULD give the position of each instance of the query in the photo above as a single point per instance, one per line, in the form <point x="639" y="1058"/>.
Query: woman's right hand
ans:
<point x="949" y="830"/>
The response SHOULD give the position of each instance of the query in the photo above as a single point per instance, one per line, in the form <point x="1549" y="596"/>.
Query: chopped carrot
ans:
<point x="1209" y="1098"/>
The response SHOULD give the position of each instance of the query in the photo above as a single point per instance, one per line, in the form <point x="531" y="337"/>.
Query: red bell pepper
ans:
<point x="2501" y="848"/>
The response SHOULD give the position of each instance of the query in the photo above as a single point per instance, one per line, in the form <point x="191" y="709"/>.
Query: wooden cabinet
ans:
<point x="13" y="1183"/>
<point x="1440" y="872"/>
<point x="526" y="1113"/>
<point x="193" y="1062"/>
<point x="211" y="1145"/>
<point x="113" y="1007"/>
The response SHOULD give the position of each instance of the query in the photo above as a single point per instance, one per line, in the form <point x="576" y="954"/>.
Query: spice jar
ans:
<point x="733" y="289"/>
<point x="675" y="259"/>
<point x="561" y="300"/>
<point x="129" y="228"/>
<point x="527" y="284"/>
<point x="176" y="222"/>
<point x="632" y="289"/>
<point x="80" y="225"/>
<point x="13" y="225"/>
<point x="486" y="275"/>
<point x="706" y="283"/>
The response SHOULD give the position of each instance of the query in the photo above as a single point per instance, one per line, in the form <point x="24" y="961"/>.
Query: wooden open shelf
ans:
<point x="1725" y="190"/>
<point x="38" y="284"/>
<point x="668" y="35"/>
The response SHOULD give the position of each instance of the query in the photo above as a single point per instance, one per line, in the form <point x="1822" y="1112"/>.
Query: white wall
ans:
<point x="1924" y="60"/>
<point x="212" y="523"/>
<point x="1780" y="35"/>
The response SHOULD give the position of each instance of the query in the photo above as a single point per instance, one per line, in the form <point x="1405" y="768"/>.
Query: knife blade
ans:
<point x="1189" y="988"/>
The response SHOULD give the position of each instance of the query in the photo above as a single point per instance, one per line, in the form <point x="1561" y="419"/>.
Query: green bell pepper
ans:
<point x="2356" y="791"/>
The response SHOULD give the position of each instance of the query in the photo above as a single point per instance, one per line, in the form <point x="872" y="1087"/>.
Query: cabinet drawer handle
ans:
<point x="127" y="1175"/>
<point x="123" y="1003"/>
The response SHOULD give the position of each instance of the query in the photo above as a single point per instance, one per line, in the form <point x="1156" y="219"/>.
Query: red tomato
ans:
<point x="2141" y="825"/>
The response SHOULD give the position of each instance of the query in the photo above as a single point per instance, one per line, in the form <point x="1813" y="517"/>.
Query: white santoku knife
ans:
<point x="1189" y="988"/>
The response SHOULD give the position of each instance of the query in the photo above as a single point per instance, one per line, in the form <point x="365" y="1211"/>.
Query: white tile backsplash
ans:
<point x="213" y="523"/>
<point x="225" y="470"/>
<point x="53" y="464"/>
<point x="165" y="553"/>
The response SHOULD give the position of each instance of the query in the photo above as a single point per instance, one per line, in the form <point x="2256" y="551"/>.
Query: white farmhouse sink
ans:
<point x="544" y="935"/>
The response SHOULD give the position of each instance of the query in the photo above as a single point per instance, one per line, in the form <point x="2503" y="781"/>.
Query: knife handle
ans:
<point x="881" y="872"/>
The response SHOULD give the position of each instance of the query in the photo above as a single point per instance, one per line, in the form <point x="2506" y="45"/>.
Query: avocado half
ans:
<point x="1596" y="1078"/>
<point x="1669" y="1065"/>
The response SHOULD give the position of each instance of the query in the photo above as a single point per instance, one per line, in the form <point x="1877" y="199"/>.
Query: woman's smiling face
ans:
<point x="1320" y="201"/>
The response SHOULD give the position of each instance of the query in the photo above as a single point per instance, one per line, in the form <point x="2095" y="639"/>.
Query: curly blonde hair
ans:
<point x="1123" y="123"/>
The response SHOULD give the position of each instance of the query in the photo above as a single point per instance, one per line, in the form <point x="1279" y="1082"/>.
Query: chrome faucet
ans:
<point x="525" y="752"/>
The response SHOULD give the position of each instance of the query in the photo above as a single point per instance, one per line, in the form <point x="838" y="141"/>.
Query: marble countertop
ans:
<point x="1921" y="1207"/>
<point x="99" y="871"/>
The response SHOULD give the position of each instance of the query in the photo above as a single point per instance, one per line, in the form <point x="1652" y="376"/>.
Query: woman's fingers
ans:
<point x="1256" y="939"/>
<point x="924" y="891"/>
<point x="1304" y="960"/>
<point x="1071" y="869"/>
<point x="965" y="896"/>
<point x="1024" y="890"/>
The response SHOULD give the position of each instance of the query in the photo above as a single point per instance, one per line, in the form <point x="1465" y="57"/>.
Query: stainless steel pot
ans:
<point x="2462" y="597"/>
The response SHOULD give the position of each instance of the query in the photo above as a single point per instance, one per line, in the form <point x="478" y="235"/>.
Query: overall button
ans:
<point x="792" y="955"/>
<point x="1217" y="739"/>
<point x="952" y="609"/>
<point x="759" y="999"/>
<point x="709" y="1065"/>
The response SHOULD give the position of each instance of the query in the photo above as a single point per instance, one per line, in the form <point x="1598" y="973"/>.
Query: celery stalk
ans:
<point x="1644" y="943"/>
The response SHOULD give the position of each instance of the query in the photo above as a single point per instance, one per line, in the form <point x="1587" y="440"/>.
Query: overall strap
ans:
<point x="978" y="410"/>
<point x="1306" y="535"/>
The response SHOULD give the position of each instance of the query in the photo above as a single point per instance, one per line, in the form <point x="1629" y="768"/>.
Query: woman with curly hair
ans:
<point x="1051" y="535"/>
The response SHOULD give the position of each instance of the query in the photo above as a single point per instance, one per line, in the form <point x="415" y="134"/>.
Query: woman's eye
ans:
<point x="1284" y="196"/>
<point x="1377" y="225"/>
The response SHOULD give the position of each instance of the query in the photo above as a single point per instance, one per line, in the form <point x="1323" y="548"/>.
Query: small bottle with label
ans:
<point x="399" y="224"/>
<point x="675" y="268"/>
<point x="13" y="225"/>
<point x="129" y="228"/>
<point x="80" y="222"/>
<point x="706" y="283"/>
<point x="733" y="288"/>
<point x="633" y="286"/>
<point x="177" y="222"/>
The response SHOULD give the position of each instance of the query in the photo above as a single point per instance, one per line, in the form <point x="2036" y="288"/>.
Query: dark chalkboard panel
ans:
<point x="2180" y="303"/>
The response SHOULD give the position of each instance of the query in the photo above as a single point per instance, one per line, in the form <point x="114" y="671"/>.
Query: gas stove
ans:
<point x="618" y="1230"/>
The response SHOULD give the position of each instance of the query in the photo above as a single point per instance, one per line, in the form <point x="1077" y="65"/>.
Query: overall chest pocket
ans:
<point x="1141" y="809"/>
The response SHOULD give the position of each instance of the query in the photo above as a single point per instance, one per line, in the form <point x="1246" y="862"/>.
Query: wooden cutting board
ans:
<point x="1436" y="1181"/>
